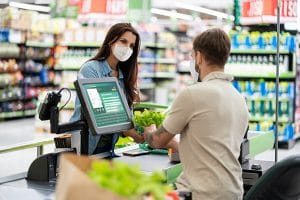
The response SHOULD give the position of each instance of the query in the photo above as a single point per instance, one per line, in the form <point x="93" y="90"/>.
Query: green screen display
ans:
<point x="106" y="104"/>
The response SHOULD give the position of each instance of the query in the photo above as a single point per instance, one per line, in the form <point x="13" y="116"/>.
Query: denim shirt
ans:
<point x="96" y="69"/>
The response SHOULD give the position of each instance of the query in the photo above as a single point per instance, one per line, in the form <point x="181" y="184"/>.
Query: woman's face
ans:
<point x="127" y="40"/>
<point x="122" y="49"/>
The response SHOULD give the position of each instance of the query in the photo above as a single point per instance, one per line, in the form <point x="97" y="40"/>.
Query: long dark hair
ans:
<point x="129" y="67"/>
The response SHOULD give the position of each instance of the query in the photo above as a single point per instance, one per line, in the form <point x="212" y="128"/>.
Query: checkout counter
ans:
<point x="104" y="111"/>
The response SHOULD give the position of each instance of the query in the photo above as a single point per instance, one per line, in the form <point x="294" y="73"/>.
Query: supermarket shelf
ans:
<point x="184" y="72"/>
<point x="147" y="86"/>
<point x="166" y="60"/>
<point x="6" y="115"/>
<point x="11" y="85"/>
<point x="30" y="112"/>
<point x="67" y="68"/>
<point x="31" y="72"/>
<point x="81" y="44"/>
<point x="158" y="75"/>
<point x="39" y="44"/>
<point x="44" y="85"/>
<point x="268" y="98"/>
<point x="15" y="114"/>
<point x="9" y="72"/>
<point x="262" y="119"/>
<point x="158" y="45"/>
<point x="165" y="74"/>
<point x="146" y="60"/>
<point x="258" y="51"/>
<point x="18" y="99"/>
<point x="10" y="99"/>
<point x="38" y="58"/>
<point x="15" y="56"/>
<point x="287" y="75"/>
<point x="158" y="60"/>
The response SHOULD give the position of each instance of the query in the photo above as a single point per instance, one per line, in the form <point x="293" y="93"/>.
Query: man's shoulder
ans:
<point x="197" y="86"/>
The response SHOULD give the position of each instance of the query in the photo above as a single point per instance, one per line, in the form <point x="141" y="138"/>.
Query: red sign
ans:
<point x="288" y="8"/>
<point x="265" y="11"/>
<point x="255" y="8"/>
<point x="252" y="8"/>
<point x="93" y="6"/>
<point x="116" y="7"/>
<point x="111" y="7"/>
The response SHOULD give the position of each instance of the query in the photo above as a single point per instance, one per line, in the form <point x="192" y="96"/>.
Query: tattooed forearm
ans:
<point x="157" y="133"/>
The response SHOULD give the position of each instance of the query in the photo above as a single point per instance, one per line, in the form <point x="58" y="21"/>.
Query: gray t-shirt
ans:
<point x="211" y="118"/>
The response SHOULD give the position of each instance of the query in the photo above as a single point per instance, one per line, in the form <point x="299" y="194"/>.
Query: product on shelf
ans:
<point x="253" y="63"/>
<point x="9" y="50"/>
<point x="263" y="63"/>
<point x="10" y="79"/>
<point x="82" y="36"/>
<point x="266" y="40"/>
<point x="38" y="53"/>
<point x="13" y="93"/>
<point x="260" y="97"/>
<point x="73" y="58"/>
<point x="9" y="66"/>
<point x="157" y="64"/>
<point x="39" y="39"/>
<point x="21" y="19"/>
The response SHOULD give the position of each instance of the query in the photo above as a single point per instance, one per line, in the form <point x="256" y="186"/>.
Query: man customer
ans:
<point x="211" y="118"/>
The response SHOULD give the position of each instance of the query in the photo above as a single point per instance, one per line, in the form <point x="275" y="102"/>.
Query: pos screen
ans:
<point x="104" y="105"/>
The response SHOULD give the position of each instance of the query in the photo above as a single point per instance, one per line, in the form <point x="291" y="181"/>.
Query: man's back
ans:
<point x="210" y="142"/>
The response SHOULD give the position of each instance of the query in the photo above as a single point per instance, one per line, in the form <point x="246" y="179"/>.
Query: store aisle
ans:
<point x="19" y="161"/>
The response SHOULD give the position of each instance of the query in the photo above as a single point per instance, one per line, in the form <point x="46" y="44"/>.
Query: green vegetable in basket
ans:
<point x="147" y="118"/>
<point x="127" y="181"/>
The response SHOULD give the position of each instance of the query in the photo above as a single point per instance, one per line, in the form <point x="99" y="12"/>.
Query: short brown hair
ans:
<point x="214" y="44"/>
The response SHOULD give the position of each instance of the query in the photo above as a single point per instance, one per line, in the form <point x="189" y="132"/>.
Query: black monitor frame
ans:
<point x="87" y="111"/>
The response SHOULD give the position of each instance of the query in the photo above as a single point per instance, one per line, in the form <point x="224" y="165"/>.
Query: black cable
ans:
<point x="68" y="98"/>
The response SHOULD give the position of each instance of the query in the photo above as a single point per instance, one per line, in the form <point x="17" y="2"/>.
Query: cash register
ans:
<point x="104" y="110"/>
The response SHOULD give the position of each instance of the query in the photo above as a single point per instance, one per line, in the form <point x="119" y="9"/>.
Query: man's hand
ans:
<point x="157" y="138"/>
<point x="148" y="133"/>
<point x="134" y="135"/>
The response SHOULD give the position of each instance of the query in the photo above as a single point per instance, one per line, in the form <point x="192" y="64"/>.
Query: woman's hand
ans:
<point x="134" y="135"/>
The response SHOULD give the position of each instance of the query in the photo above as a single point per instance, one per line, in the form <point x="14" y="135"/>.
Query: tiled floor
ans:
<point x="19" y="161"/>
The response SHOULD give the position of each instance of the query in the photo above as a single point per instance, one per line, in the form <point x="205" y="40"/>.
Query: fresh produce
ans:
<point x="128" y="180"/>
<point x="147" y="118"/>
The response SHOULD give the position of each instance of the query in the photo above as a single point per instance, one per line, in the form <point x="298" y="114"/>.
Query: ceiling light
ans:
<point x="171" y="14"/>
<point x="204" y="10"/>
<point x="29" y="6"/>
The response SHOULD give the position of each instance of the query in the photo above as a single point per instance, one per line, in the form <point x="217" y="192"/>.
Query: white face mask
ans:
<point x="194" y="73"/>
<point x="122" y="53"/>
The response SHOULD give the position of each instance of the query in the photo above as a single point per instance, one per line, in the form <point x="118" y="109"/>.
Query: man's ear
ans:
<point x="198" y="58"/>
